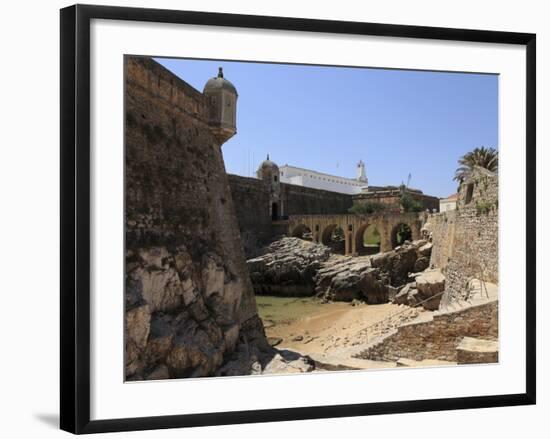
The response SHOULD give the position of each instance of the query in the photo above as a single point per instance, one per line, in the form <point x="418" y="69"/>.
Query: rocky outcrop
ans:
<point x="370" y="278"/>
<point x="402" y="260"/>
<point x="347" y="279"/>
<point x="430" y="286"/>
<point x="292" y="267"/>
<point x="182" y="317"/>
<point x="287" y="267"/>
<point x="426" y="290"/>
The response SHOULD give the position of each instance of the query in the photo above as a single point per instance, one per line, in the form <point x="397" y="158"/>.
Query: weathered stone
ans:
<point x="161" y="372"/>
<point x="436" y="335"/>
<point x="252" y="195"/>
<point x="160" y="339"/>
<point x="402" y="297"/>
<point x="289" y="362"/>
<point x="398" y="263"/>
<point x="292" y="266"/>
<point x="421" y="264"/>
<point x="274" y="341"/>
<point x="430" y="285"/>
<point x="137" y="326"/>
<point x="188" y="294"/>
<point x="425" y="250"/>
<point x="196" y="350"/>
<point x="476" y="350"/>
<point x="288" y="267"/>
<point x="466" y="239"/>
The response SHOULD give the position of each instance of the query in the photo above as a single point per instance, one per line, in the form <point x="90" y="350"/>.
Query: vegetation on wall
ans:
<point x="366" y="208"/>
<point x="483" y="207"/>
<point x="408" y="203"/>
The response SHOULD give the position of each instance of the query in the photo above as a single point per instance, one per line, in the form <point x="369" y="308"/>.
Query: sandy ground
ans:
<point x="332" y="333"/>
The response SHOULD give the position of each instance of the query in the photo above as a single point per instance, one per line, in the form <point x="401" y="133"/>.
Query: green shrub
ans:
<point x="409" y="204"/>
<point x="366" y="208"/>
<point x="483" y="207"/>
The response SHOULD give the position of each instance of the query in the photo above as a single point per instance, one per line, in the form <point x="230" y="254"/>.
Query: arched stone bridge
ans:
<point x="353" y="227"/>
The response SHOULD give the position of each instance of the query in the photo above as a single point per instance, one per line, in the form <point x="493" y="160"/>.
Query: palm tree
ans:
<point x="484" y="157"/>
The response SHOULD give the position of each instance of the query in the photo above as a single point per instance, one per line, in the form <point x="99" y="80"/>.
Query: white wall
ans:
<point x="302" y="177"/>
<point x="444" y="206"/>
<point x="29" y="221"/>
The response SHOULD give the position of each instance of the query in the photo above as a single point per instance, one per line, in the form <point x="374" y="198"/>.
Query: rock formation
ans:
<point x="346" y="279"/>
<point x="291" y="266"/>
<point x="288" y="267"/>
<point x="426" y="290"/>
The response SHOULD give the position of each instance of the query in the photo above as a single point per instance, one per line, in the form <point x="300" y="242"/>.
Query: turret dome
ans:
<point x="219" y="83"/>
<point x="268" y="164"/>
<point x="268" y="170"/>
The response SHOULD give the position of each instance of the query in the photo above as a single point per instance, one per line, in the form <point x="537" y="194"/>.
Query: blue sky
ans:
<point x="327" y="118"/>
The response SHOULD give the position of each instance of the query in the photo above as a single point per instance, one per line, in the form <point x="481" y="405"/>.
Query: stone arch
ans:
<point x="400" y="233"/>
<point x="302" y="231"/>
<point x="368" y="239"/>
<point x="334" y="236"/>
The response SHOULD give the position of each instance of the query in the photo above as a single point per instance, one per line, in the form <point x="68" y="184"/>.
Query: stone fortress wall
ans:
<point x="188" y="295"/>
<point x="251" y="201"/>
<point x="252" y="198"/>
<point x="391" y="198"/>
<point x="299" y="200"/>
<point x="466" y="240"/>
<point x="465" y="249"/>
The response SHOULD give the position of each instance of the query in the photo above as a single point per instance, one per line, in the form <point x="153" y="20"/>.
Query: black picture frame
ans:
<point x="75" y="217"/>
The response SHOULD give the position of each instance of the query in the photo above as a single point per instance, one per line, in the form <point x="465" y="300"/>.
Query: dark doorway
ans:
<point x="334" y="238"/>
<point x="400" y="233"/>
<point x="274" y="211"/>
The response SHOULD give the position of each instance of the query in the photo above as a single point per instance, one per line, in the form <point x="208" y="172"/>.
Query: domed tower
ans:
<point x="268" y="171"/>
<point x="221" y="96"/>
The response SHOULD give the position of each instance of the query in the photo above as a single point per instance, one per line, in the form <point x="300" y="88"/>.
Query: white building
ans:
<point x="318" y="180"/>
<point x="449" y="203"/>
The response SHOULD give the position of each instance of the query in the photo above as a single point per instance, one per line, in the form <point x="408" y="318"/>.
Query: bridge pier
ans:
<point x="353" y="244"/>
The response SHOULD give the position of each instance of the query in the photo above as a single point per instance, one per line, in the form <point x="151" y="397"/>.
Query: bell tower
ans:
<point x="361" y="173"/>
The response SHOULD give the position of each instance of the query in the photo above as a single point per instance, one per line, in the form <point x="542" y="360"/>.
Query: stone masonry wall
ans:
<point x="391" y="198"/>
<point x="251" y="200"/>
<point x="188" y="296"/>
<point x="437" y="339"/>
<point x="465" y="241"/>
<point x="442" y="229"/>
<point x="251" y="197"/>
<point x="299" y="200"/>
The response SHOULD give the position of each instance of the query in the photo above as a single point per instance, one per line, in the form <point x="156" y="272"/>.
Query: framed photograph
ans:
<point x="274" y="218"/>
